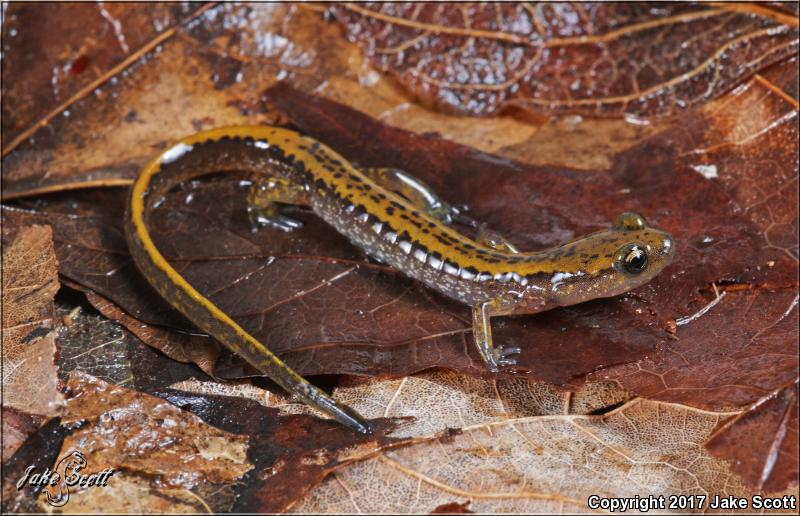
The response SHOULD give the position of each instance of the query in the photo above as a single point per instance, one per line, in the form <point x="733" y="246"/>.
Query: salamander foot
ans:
<point x="502" y="356"/>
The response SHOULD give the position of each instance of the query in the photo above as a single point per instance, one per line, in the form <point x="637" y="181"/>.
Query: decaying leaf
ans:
<point x="539" y="464"/>
<point x="443" y="403"/>
<point x="584" y="57"/>
<point x="211" y="73"/>
<point x="751" y="335"/>
<point x="162" y="451"/>
<point x="39" y="450"/>
<point x="92" y="344"/>
<point x="332" y="268"/>
<point x="30" y="281"/>
<point x="147" y="435"/>
<point x="299" y="279"/>
<point x="731" y="341"/>
<point x="30" y="378"/>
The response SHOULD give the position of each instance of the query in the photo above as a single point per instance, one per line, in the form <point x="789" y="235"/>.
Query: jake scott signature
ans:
<point x="66" y="474"/>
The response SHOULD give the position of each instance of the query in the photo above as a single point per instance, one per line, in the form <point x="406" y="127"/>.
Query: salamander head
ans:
<point x="611" y="262"/>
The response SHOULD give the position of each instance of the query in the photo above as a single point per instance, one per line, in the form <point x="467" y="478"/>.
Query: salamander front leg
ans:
<point x="495" y="240"/>
<point x="419" y="193"/>
<point x="495" y="356"/>
<point x="264" y="202"/>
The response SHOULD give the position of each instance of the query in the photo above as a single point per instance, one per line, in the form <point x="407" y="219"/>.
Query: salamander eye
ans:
<point x="631" y="259"/>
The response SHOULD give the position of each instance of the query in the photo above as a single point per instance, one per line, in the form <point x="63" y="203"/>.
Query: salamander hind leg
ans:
<point x="419" y="193"/>
<point x="265" y="200"/>
<point x="494" y="356"/>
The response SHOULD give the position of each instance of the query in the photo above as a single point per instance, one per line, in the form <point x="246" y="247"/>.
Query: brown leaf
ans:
<point x="163" y="450"/>
<point x="443" y="401"/>
<point x="452" y="508"/>
<point x="736" y="353"/>
<point x="769" y="461"/>
<point x="259" y="43"/>
<point x="30" y="281"/>
<point x="583" y="57"/>
<point x="157" y="451"/>
<point x="644" y="176"/>
<point x="91" y="343"/>
<point x="730" y="359"/>
<point x="208" y="72"/>
<point x="128" y="491"/>
<point x="568" y="201"/>
<point x="50" y="66"/>
<point x="17" y="426"/>
<point x="293" y="287"/>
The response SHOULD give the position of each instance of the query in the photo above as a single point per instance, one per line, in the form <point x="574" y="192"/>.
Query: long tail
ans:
<point x="218" y="150"/>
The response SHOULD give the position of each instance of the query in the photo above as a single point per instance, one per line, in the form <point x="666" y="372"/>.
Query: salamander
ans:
<point x="396" y="219"/>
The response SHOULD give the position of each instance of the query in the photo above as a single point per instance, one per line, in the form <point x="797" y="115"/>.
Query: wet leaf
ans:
<point x="209" y="72"/>
<point x="91" y="343"/>
<point x="149" y="436"/>
<point x="523" y="429"/>
<point x="131" y="491"/>
<point x="51" y="66"/>
<point x="432" y="404"/>
<point x="190" y="87"/>
<point x="149" y="443"/>
<point x="452" y="508"/>
<point x="298" y="280"/>
<point x="589" y="58"/>
<point x="30" y="282"/>
<point x="554" y="194"/>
